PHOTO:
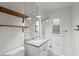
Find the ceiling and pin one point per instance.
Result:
(48, 6)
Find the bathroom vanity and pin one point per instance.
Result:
(37, 47)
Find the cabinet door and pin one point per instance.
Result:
(43, 52)
(30, 50)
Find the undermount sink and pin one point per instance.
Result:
(37, 42)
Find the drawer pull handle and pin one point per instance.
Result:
(50, 46)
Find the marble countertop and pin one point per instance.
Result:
(36, 42)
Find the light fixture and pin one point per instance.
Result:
(29, 18)
(47, 20)
(38, 16)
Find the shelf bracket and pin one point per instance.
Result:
(22, 29)
(23, 19)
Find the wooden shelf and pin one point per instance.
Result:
(12, 12)
(13, 26)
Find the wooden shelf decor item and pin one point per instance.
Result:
(13, 26)
(12, 12)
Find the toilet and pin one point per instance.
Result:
(15, 52)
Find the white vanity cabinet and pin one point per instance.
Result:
(43, 53)
(36, 49)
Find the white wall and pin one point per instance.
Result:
(31, 8)
(65, 15)
(11, 37)
(75, 33)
